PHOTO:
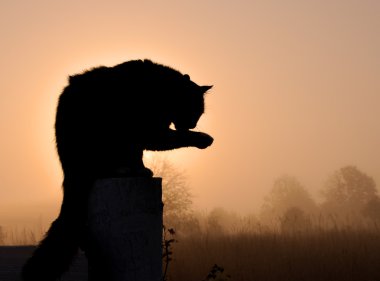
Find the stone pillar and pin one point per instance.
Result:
(125, 230)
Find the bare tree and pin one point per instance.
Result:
(176, 196)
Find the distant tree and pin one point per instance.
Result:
(213, 224)
(287, 193)
(295, 220)
(348, 192)
(176, 194)
(220, 221)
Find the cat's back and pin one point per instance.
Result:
(131, 90)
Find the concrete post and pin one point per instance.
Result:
(125, 230)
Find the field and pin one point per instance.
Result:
(325, 255)
(336, 255)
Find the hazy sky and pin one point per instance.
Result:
(296, 89)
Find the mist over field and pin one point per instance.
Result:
(291, 238)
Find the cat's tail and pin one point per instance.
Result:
(54, 254)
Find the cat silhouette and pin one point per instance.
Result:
(106, 117)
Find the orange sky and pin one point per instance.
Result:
(296, 89)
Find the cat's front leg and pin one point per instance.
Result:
(172, 139)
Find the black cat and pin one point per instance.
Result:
(105, 118)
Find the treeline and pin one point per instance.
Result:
(349, 200)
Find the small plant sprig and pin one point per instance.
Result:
(217, 273)
(166, 247)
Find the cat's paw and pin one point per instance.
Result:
(203, 140)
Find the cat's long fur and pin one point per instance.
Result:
(105, 118)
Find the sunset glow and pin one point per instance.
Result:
(296, 90)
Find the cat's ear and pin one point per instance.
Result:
(204, 89)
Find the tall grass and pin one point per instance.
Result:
(323, 252)
(335, 254)
(20, 236)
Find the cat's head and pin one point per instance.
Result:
(189, 105)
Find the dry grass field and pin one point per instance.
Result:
(334, 255)
(323, 255)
